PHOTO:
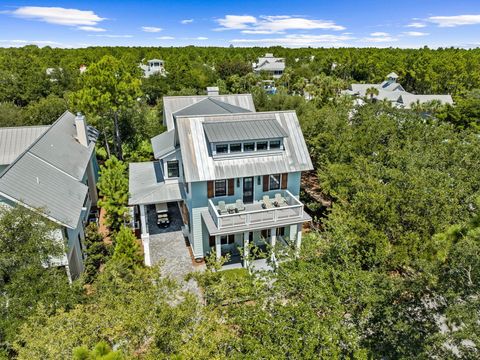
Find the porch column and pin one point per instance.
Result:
(246, 241)
(298, 240)
(145, 236)
(218, 246)
(273, 241)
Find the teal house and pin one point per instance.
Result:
(230, 174)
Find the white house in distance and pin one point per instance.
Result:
(394, 92)
(53, 169)
(231, 176)
(154, 66)
(270, 64)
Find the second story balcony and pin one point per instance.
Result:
(277, 208)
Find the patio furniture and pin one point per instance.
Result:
(222, 209)
(266, 203)
(161, 208)
(231, 209)
(239, 205)
(163, 220)
(280, 200)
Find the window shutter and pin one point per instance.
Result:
(231, 187)
(211, 240)
(210, 189)
(265, 183)
(284, 180)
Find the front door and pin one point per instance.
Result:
(248, 190)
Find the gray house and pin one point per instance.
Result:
(54, 169)
(233, 172)
(270, 64)
(394, 92)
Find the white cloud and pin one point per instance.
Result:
(416, 25)
(186, 21)
(151, 29)
(379, 39)
(298, 40)
(113, 36)
(379, 33)
(415, 33)
(91, 28)
(457, 20)
(17, 43)
(58, 15)
(201, 38)
(165, 38)
(273, 24)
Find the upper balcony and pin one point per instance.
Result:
(281, 209)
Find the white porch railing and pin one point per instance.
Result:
(254, 214)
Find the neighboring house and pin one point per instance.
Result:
(153, 66)
(270, 64)
(82, 68)
(53, 169)
(54, 73)
(392, 91)
(218, 160)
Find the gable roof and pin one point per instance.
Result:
(174, 104)
(49, 174)
(210, 106)
(219, 131)
(163, 144)
(200, 166)
(15, 140)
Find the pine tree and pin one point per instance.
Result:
(127, 249)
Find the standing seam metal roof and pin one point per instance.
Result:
(48, 174)
(15, 140)
(218, 131)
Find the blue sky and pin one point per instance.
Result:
(241, 23)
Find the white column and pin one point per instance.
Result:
(298, 240)
(273, 241)
(145, 236)
(246, 241)
(218, 246)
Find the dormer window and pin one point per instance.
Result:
(249, 146)
(262, 145)
(237, 147)
(221, 148)
(173, 169)
(275, 144)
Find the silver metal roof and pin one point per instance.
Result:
(210, 106)
(200, 166)
(163, 144)
(15, 140)
(48, 174)
(219, 131)
(148, 186)
(173, 104)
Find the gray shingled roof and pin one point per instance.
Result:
(15, 140)
(147, 185)
(163, 144)
(218, 131)
(174, 104)
(200, 166)
(48, 174)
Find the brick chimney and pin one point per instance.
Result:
(81, 126)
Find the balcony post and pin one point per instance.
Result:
(298, 240)
(145, 236)
(218, 246)
(273, 241)
(246, 240)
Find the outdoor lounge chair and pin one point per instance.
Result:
(222, 209)
(239, 205)
(280, 200)
(266, 203)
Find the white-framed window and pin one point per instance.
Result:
(173, 169)
(227, 239)
(249, 146)
(262, 145)
(220, 187)
(221, 148)
(274, 181)
(275, 144)
(236, 147)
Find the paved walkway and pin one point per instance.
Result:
(169, 246)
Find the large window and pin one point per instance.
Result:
(274, 144)
(249, 146)
(227, 239)
(172, 169)
(262, 145)
(235, 147)
(221, 148)
(275, 182)
(220, 187)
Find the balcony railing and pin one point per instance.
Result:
(256, 214)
